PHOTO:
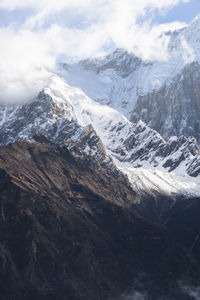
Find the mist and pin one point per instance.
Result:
(32, 45)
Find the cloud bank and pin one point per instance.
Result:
(70, 30)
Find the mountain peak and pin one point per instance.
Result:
(196, 20)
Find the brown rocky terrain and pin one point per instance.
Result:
(71, 231)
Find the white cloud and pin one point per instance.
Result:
(22, 57)
(41, 39)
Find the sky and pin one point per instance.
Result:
(35, 34)
(184, 12)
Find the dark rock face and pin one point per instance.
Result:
(174, 110)
(71, 231)
(183, 220)
(120, 60)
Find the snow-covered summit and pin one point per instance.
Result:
(135, 87)
(65, 113)
(101, 108)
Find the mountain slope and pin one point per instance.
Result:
(70, 231)
(163, 94)
(175, 108)
(64, 113)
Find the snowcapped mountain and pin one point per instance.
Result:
(65, 113)
(136, 118)
(164, 94)
(175, 108)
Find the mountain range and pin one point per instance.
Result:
(100, 179)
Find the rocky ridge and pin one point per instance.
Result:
(64, 113)
(71, 231)
(164, 94)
